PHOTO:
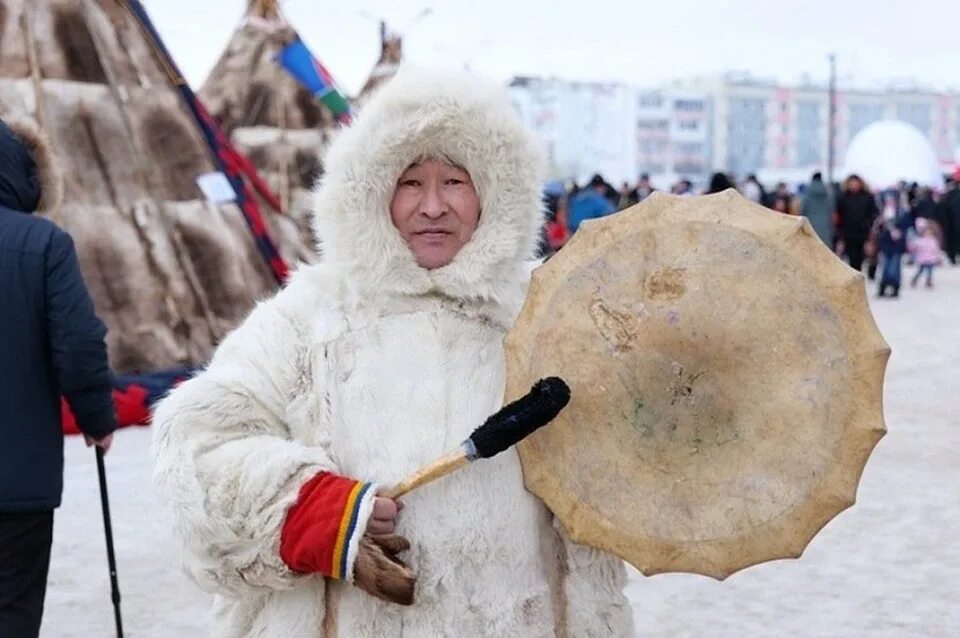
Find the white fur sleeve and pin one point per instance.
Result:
(225, 462)
(594, 581)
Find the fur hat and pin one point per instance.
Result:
(437, 114)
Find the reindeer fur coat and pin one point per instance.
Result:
(369, 366)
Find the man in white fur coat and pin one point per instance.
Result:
(366, 367)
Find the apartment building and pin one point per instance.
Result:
(581, 125)
(733, 122)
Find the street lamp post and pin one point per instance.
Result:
(831, 119)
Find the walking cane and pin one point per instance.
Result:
(111, 560)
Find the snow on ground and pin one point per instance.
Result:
(890, 566)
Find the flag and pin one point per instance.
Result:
(237, 168)
(297, 60)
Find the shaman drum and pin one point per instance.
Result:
(726, 378)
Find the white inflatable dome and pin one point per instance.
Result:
(888, 151)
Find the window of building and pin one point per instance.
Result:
(645, 165)
(808, 114)
(651, 100)
(653, 125)
(862, 115)
(688, 106)
(689, 168)
(652, 146)
(809, 153)
(919, 114)
(689, 148)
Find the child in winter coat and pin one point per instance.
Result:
(926, 252)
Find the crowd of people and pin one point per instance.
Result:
(877, 231)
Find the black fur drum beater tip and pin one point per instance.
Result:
(508, 426)
(518, 420)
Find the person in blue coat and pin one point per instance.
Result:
(51, 343)
(590, 203)
(893, 224)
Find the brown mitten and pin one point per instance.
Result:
(380, 573)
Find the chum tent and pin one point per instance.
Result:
(280, 105)
(269, 114)
(169, 272)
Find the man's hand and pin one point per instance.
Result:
(384, 518)
(105, 442)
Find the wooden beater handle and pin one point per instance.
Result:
(438, 469)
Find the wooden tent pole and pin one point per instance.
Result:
(265, 9)
(26, 24)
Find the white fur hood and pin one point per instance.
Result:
(419, 115)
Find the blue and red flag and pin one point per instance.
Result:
(297, 60)
(233, 164)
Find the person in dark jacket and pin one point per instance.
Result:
(51, 343)
(782, 199)
(856, 212)
(644, 188)
(923, 207)
(628, 196)
(818, 208)
(893, 225)
(719, 182)
(949, 217)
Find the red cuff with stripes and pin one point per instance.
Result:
(322, 530)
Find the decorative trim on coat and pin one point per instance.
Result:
(322, 530)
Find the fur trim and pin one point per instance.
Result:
(435, 114)
(48, 169)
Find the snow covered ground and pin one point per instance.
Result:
(890, 566)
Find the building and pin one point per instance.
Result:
(734, 123)
(781, 132)
(581, 125)
(674, 132)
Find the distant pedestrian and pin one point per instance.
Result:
(628, 196)
(818, 208)
(753, 190)
(856, 212)
(892, 243)
(683, 188)
(644, 187)
(782, 199)
(926, 252)
(589, 203)
(719, 182)
(949, 217)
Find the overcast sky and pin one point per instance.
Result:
(640, 42)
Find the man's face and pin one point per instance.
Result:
(436, 209)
